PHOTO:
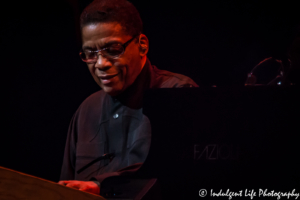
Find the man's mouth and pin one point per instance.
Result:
(106, 79)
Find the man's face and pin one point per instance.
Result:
(112, 75)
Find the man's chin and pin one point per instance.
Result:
(111, 91)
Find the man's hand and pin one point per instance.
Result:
(87, 186)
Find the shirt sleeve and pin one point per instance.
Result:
(127, 171)
(68, 166)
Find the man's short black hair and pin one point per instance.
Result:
(120, 11)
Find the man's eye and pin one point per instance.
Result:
(114, 50)
(89, 53)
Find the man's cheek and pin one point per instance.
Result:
(123, 74)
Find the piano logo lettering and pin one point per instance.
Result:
(216, 152)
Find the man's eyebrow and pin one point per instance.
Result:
(112, 42)
(105, 45)
(87, 48)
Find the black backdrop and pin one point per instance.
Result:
(44, 81)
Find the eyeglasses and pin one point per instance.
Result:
(111, 52)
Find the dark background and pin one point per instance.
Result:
(44, 80)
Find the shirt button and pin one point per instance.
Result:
(115, 116)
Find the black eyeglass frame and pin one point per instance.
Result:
(105, 55)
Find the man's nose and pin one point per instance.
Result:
(102, 62)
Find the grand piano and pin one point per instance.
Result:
(220, 138)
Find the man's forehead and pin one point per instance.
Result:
(103, 30)
(102, 33)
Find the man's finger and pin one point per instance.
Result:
(62, 182)
(75, 185)
(87, 186)
(90, 186)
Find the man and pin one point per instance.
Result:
(109, 135)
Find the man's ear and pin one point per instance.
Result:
(144, 45)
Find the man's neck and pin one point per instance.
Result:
(144, 59)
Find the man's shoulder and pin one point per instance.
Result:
(167, 79)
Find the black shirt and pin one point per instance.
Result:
(114, 125)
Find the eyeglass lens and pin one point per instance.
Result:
(112, 51)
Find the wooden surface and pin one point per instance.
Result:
(16, 185)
